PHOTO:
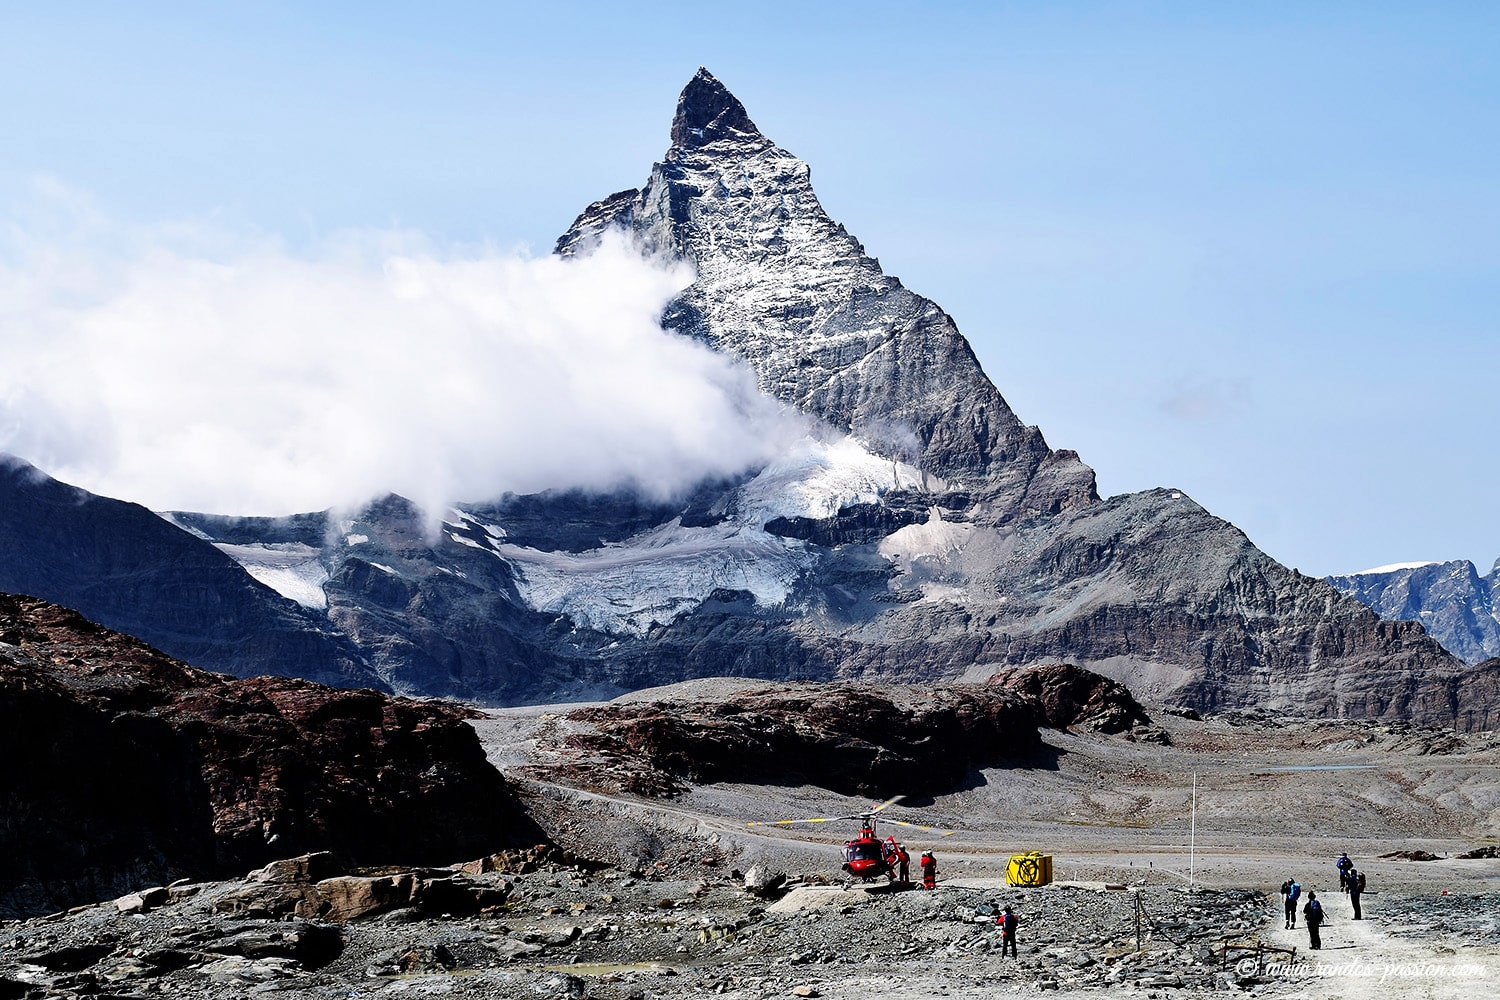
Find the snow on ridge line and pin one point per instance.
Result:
(1396, 567)
(171, 519)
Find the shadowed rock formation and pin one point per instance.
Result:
(1071, 696)
(125, 766)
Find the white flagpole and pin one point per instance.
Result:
(1193, 831)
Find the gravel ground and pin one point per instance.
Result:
(676, 931)
(1190, 839)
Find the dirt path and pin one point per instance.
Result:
(1361, 960)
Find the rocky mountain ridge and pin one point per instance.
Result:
(1458, 607)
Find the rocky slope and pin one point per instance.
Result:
(622, 934)
(852, 739)
(919, 533)
(127, 766)
(1458, 607)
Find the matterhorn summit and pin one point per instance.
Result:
(790, 291)
(707, 112)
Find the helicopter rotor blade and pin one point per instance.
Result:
(790, 822)
(867, 817)
(925, 829)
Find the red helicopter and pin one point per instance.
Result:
(867, 857)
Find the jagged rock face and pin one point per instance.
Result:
(1071, 696)
(851, 739)
(128, 766)
(784, 287)
(1458, 607)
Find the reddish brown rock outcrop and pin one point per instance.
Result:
(1072, 696)
(124, 765)
(852, 739)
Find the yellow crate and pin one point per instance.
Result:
(1031, 868)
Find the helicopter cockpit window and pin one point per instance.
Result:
(864, 850)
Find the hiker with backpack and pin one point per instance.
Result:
(1313, 916)
(1291, 891)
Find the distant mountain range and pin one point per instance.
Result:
(920, 532)
(1458, 607)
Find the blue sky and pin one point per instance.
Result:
(1245, 250)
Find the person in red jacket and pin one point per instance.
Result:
(1008, 921)
(929, 870)
(904, 861)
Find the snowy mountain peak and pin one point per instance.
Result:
(791, 292)
(707, 112)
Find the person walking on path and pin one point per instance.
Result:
(1356, 886)
(1344, 866)
(1291, 890)
(1312, 915)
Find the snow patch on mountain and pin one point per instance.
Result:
(934, 539)
(291, 569)
(817, 479)
(462, 517)
(658, 575)
(929, 557)
(461, 540)
(176, 522)
(661, 574)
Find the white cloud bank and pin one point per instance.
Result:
(194, 369)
